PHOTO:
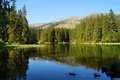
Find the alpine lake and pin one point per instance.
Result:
(61, 62)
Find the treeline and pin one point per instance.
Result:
(99, 28)
(52, 35)
(13, 24)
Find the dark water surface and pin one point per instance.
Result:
(61, 62)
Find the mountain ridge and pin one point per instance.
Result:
(66, 22)
(59, 22)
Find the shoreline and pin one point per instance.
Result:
(84, 43)
(23, 46)
(100, 43)
(43, 45)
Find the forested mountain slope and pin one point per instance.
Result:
(66, 23)
(95, 28)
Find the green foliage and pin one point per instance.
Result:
(13, 25)
(32, 36)
(101, 28)
(1, 42)
(53, 35)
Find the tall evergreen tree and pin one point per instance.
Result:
(12, 24)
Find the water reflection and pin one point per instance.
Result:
(91, 61)
(13, 64)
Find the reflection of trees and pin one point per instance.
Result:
(92, 56)
(114, 70)
(13, 64)
(3, 65)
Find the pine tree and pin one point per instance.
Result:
(112, 21)
(25, 30)
(4, 12)
(12, 24)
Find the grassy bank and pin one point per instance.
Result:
(23, 45)
(100, 43)
(85, 43)
(43, 45)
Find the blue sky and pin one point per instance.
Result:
(41, 11)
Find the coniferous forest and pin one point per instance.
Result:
(103, 28)
(13, 24)
(14, 29)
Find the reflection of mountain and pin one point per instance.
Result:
(90, 56)
(95, 57)
(14, 62)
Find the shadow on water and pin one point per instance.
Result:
(14, 62)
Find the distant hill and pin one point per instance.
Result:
(64, 23)
(36, 24)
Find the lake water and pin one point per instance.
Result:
(61, 62)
